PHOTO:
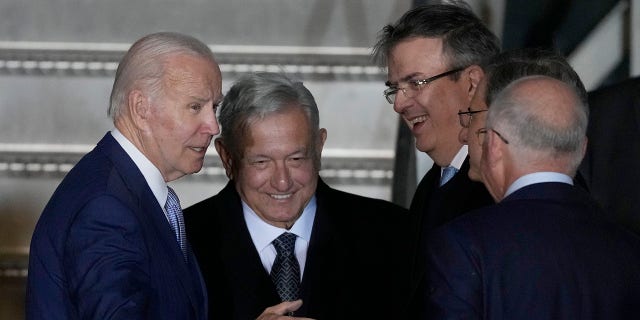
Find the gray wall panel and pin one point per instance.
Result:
(245, 22)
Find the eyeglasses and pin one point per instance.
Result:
(414, 86)
(465, 116)
(480, 134)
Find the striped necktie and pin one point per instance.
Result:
(174, 213)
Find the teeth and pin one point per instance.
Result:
(417, 119)
(197, 149)
(281, 196)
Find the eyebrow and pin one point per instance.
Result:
(403, 79)
(301, 151)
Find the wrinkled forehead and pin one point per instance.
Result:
(290, 126)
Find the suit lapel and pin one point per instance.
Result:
(151, 215)
(327, 248)
(246, 270)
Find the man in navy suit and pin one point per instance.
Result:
(432, 54)
(500, 71)
(544, 251)
(106, 246)
(344, 247)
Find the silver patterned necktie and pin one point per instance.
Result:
(447, 174)
(285, 272)
(174, 213)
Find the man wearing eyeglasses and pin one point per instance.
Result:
(544, 251)
(499, 71)
(432, 55)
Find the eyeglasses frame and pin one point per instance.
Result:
(484, 130)
(469, 113)
(419, 84)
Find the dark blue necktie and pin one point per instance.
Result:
(174, 213)
(285, 272)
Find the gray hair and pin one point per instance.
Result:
(256, 96)
(466, 40)
(515, 116)
(143, 65)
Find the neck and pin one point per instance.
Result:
(444, 157)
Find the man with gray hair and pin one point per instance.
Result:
(110, 244)
(543, 251)
(500, 71)
(277, 232)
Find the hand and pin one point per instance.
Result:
(281, 310)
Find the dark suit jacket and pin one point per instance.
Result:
(103, 249)
(431, 207)
(349, 272)
(544, 252)
(611, 167)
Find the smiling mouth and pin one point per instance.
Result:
(281, 196)
(198, 149)
(416, 120)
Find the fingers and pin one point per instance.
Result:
(281, 309)
(285, 307)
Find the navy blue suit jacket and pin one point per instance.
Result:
(103, 249)
(350, 269)
(432, 206)
(544, 252)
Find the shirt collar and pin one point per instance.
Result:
(151, 174)
(263, 233)
(459, 158)
(537, 177)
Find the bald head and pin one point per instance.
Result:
(545, 120)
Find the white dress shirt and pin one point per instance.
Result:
(458, 160)
(150, 173)
(263, 234)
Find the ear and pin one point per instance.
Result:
(493, 150)
(322, 137)
(139, 108)
(585, 146)
(493, 166)
(474, 74)
(225, 156)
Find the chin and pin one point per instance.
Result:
(423, 148)
(474, 176)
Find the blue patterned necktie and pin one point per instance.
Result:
(174, 213)
(285, 272)
(447, 174)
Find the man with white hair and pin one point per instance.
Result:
(543, 251)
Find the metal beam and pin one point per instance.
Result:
(603, 49)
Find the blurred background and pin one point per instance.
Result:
(58, 59)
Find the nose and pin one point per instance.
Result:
(281, 179)
(211, 125)
(401, 102)
(463, 135)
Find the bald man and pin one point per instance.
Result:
(542, 252)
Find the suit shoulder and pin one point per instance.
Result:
(364, 200)
(202, 215)
(629, 85)
(199, 207)
(347, 199)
